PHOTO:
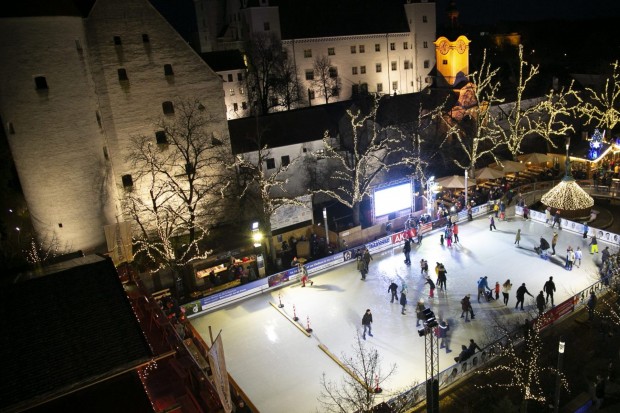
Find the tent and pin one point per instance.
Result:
(509, 166)
(535, 158)
(488, 173)
(455, 181)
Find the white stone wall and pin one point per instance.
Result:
(422, 21)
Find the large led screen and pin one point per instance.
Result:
(392, 199)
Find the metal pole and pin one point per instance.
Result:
(558, 381)
(326, 228)
(466, 173)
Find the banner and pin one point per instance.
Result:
(402, 236)
(558, 312)
(219, 373)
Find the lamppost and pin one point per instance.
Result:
(466, 176)
(431, 359)
(558, 380)
(257, 238)
(326, 228)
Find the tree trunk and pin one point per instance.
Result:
(356, 214)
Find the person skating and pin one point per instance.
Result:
(540, 303)
(591, 305)
(506, 287)
(544, 246)
(367, 258)
(304, 276)
(570, 260)
(547, 215)
(554, 242)
(367, 323)
(556, 220)
(482, 285)
(441, 332)
(455, 232)
(431, 285)
(502, 211)
(393, 288)
(521, 291)
(470, 216)
(496, 209)
(497, 288)
(423, 267)
(549, 288)
(586, 228)
(578, 257)
(605, 255)
(419, 311)
(441, 277)
(593, 245)
(403, 301)
(449, 237)
(526, 212)
(466, 308)
(361, 267)
(407, 251)
(492, 223)
(518, 237)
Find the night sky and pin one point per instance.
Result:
(493, 11)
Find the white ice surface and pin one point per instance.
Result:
(279, 368)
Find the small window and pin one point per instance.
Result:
(378, 67)
(354, 70)
(117, 40)
(394, 85)
(241, 91)
(394, 65)
(310, 94)
(377, 47)
(161, 138)
(353, 49)
(168, 70)
(78, 45)
(407, 64)
(424, 19)
(308, 53)
(231, 91)
(230, 77)
(122, 75)
(363, 70)
(333, 72)
(235, 107)
(266, 26)
(11, 128)
(239, 77)
(309, 74)
(60, 225)
(444, 62)
(425, 44)
(331, 51)
(145, 38)
(271, 163)
(244, 105)
(392, 46)
(40, 83)
(127, 181)
(405, 45)
(362, 48)
(426, 64)
(379, 87)
(168, 108)
(285, 160)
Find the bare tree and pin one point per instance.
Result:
(179, 185)
(553, 114)
(287, 89)
(326, 80)
(356, 392)
(358, 167)
(602, 108)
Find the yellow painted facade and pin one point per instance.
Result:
(452, 58)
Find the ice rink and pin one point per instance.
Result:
(280, 368)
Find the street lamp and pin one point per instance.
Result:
(326, 229)
(558, 380)
(257, 238)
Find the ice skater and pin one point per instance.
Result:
(367, 323)
(431, 285)
(441, 332)
(466, 308)
(506, 287)
(593, 244)
(455, 232)
(549, 288)
(554, 242)
(518, 237)
(483, 284)
(403, 301)
(423, 267)
(393, 288)
(540, 303)
(492, 223)
(578, 257)
(407, 251)
(419, 311)
(521, 291)
(304, 276)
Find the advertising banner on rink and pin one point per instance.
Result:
(219, 373)
(403, 235)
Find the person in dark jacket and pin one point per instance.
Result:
(403, 301)
(549, 288)
(393, 288)
(540, 303)
(407, 251)
(521, 291)
(367, 323)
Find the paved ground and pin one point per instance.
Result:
(280, 368)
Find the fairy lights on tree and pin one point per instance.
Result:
(596, 144)
(601, 108)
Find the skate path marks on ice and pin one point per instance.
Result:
(280, 368)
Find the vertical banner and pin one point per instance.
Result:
(219, 373)
(118, 240)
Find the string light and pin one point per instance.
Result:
(568, 196)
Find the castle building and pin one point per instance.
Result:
(80, 80)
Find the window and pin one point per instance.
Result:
(11, 128)
(235, 107)
(271, 163)
(379, 87)
(40, 82)
(426, 64)
(425, 44)
(363, 70)
(362, 48)
(78, 46)
(266, 26)
(145, 38)
(405, 45)
(127, 181)
(333, 72)
(394, 85)
(231, 91)
(378, 67)
(240, 77)
(444, 62)
(241, 91)
(407, 64)
(424, 19)
(161, 138)
(285, 160)
(244, 105)
(230, 77)
(309, 74)
(117, 40)
(308, 53)
(394, 65)
(168, 108)
(331, 51)
(353, 49)
(168, 70)
(392, 46)
(354, 70)
(377, 47)
(122, 75)
(310, 94)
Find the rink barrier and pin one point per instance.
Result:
(289, 318)
(415, 396)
